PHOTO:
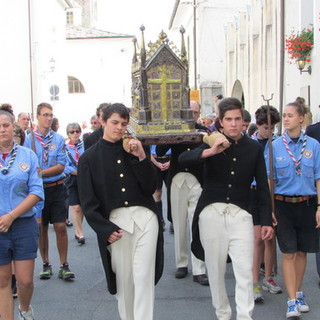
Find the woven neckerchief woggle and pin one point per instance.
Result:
(5, 169)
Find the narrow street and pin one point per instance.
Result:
(176, 299)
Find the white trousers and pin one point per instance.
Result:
(226, 228)
(133, 261)
(185, 192)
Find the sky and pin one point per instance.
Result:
(126, 16)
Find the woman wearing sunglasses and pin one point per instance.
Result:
(74, 149)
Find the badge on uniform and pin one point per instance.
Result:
(307, 154)
(23, 167)
(52, 147)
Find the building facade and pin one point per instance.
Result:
(205, 23)
(53, 53)
(258, 62)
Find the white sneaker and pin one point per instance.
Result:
(271, 286)
(26, 315)
(301, 303)
(293, 310)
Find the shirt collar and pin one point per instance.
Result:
(291, 141)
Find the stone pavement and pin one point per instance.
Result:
(86, 298)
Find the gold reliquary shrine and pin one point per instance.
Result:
(160, 89)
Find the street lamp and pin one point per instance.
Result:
(301, 63)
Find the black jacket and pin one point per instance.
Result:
(227, 178)
(110, 178)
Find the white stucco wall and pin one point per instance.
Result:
(255, 63)
(104, 68)
(211, 19)
(47, 41)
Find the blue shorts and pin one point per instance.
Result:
(55, 205)
(296, 229)
(20, 242)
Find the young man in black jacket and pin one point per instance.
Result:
(116, 188)
(222, 224)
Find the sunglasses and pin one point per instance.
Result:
(74, 131)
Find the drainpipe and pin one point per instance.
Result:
(282, 59)
(30, 60)
(195, 42)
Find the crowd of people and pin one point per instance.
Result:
(219, 204)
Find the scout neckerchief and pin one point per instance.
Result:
(40, 137)
(76, 147)
(5, 169)
(296, 163)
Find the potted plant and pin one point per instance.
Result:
(300, 44)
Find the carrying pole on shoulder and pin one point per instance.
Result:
(33, 144)
(271, 181)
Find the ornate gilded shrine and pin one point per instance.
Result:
(160, 90)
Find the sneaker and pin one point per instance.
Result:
(26, 315)
(257, 293)
(65, 273)
(302, 305)
(46, 272)
(271, 286)
(293, 310)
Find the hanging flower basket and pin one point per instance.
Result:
(300, 44)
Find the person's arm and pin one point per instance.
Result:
(36, 193)
(318, 206)
(263, 191)
(27, 204)
(91, 204)
(143, 169)
(155, 162)
(216, 148)
(52, 171)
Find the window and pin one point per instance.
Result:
(69, 17)
(75, 85)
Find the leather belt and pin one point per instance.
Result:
(53, 184)
(295, 199)
(163, 157)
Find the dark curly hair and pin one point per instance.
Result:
(262, 115)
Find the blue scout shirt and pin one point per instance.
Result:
(154, 152)
(70, 166)
(21, 180)
(287, 182)
(265, 151)
(56, 154)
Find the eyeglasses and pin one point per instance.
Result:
(94, 122)
(74, 131)
(47, 115)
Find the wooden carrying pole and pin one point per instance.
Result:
(33, 145)
(271, 182)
